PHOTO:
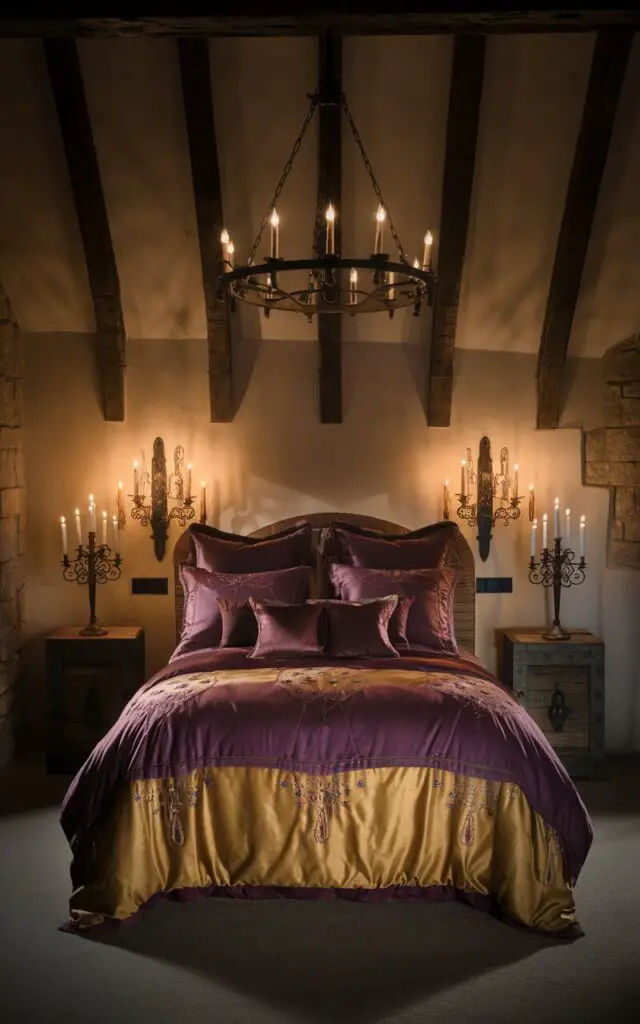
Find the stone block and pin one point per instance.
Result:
(618, 529)
(622, 444)
(612, 405)
(8, 467)
(595, 445)
(9, 612)
(8, 538)
(627, 503)
(12, 501)
(11, 405)
(11, 578)
(631, 389)
(10, 641)
(631, 412)
(11, 437)
(622, 362)
(612, 474)
(11, 352)
(632, 530)
(626, 554)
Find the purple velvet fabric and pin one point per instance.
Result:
(239, 626)
(430, 620)
(426, 548)
(359, 629)
(216, 551)
(202, 622)
(287, 630)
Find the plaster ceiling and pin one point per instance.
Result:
(398, 90)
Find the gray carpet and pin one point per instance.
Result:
(284, 961)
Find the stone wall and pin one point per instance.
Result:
(612, 452)
(12, 521)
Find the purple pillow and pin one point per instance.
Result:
(397, 626)
(359, 629)
(239, 626)
(202, 619)
(217, 551)
(287, 630)
(426, 548)
(430, 619)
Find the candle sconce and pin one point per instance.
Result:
(93, 564)
(558, 568)
(481, 512)
(157, 513)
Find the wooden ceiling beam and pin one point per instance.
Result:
(195, 76)
(608, 66)
(465, 95)
(330, 191)
(65, 75)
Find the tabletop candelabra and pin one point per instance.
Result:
(557, 568)
(93, 564)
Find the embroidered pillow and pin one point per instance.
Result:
(426, 548)
(359, 629)
(202, 621)
(286, 630)
(430, 620)
(216, 551)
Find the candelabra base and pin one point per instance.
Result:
(93, 629)
(557, 633)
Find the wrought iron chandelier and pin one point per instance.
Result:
(326, 281)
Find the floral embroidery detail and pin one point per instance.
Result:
(169, 695)
(324, 794)
(553, 851)
(474, 796)
(331, 686)
(171, 796)
(482, 697)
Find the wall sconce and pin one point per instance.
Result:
(487, 486)
(157, 514)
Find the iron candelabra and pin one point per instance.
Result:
(557, 568)
(93, 564)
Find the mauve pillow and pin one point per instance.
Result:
(359, 629)
(426, 548)
(239, 626)
(397, 626)
(430, 620)
(217, 551)
(287, 630)
(202, 619)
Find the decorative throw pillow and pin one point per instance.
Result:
(286, 630)
(430, 620)
(202, 620)
(359, 629)
(217, 551)
(397, 626)
(239, 626)
(426, 548)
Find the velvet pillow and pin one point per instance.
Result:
(239, 626)
(359, 629)
(397, 625)
(202, 619)
(426, 548)
(430, 620)
(287, 630)
(217, 551)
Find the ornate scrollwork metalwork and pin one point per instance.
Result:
(557, 569)
(482, 513)
(92, 565)
(157, 514)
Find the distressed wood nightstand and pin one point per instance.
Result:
(561, 684)
(89, 680)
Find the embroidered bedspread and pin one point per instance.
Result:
(407, 775)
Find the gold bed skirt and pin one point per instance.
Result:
(368, 829)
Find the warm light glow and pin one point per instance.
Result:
(104, 515)
(91, 499)
(545, 518)
(530, 487)
(62, 520)
(556, 502)
(274, 220)
(535, 523)
(331, 213)
(353, 276)
(567, 511)
(463, 462)
(516, 467)
(230, 248)
(416, 263)
(381, 214)
(189, 466)
(203, 483)
(583, 520)
(135, 464)
(119, 485)
(446, 483)
(224, 237)
(76, 512)
(428, 238)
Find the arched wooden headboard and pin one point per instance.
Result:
(462, 561)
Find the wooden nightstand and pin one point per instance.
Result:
(561, 684)
(89, 680)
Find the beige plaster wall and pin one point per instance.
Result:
(276, 460)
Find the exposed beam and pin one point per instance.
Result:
(82, 162)
(330, 191)
(195, 74)
(465, 94)
(304, 18)
(608, 68)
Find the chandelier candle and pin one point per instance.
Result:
(224, 241)
(353, 286)
(275, 234)
(558, 567)
(426, 256)
(330, 217)
(93, 564)
(230, 253)
(120, 504)
(379, 237)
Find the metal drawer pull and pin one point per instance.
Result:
(558, 709)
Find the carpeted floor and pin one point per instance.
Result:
(268, 962)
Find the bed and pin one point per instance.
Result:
(417, 777)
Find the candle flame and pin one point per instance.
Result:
(545, 518)
(531, 487)
(516, 467)
(331, 213)
(463, 462)
(114, 520)
(556, 502)
(567, 511)
(416, 263)
(428, 238)
(353, 275)
(189, 466)
(203, 484)
(274, 220)
(230, 248)
(91, 499)
(535, 523)
(583, 520)
(135, 464)
(224, 237)
(62, 520)
(381, 214)
(104, 515)
(446, 483)
(119, 485)
(76, 512)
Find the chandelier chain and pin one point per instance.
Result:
(285, 174)
(374, 182)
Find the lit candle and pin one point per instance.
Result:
(567, 528)
(203, 501)
(380, 219)
(116, 535)
(104, 528)
(445, 509)
(426, 256)
(532, 503)
(189, 468)
(275, 233)
(63, 528)
(556, 518)
(463, 476)
(78, 527)
(120, 501)
(353, 287)
(330, 244)
(230, 253)
(136, 491)
(92, 514)
(224, 241)
(545, 534)
(534, 538)
(392, 291)
(416, 266)
(515, 480)
(583, 536)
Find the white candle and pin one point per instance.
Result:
(515, 480)
(116, 535)
(416, 266)
(63, 528)
(353, 287)
(78, 527)
(104, 528)
(534, 538)
(224, 241)
(379, 238)
(92, 514)
(203, 501)
(426, 256)
(392, 291)
(275, 233)
(189, 468)
(136, 492)
(567, 528)
(545, 534)
(532, 503)
(583, 536)
(445, 508)
(230, 253)
(463, 474)
(556, 518)
(330, 243)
